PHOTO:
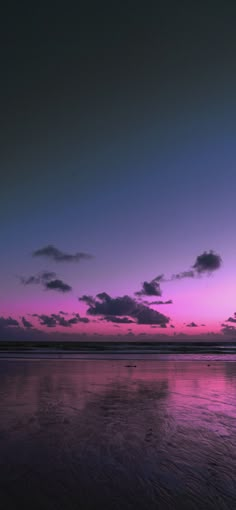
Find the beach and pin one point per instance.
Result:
(117, 433)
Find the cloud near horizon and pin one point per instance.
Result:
(124, 306)
(226, 329)
(117, 320)
(26, 323)
(6, 322)
(53, 253)
(53, 320)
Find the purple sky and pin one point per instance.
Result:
(118, 141)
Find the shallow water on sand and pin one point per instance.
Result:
(116, 434)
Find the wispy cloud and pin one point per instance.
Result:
(57, 255)
(184, 274)
(39, 278)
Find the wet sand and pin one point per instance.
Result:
(117, 434)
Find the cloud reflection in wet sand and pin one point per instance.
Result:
(91, 434)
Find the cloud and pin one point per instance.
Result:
(47, 320)
(53, 253)
(6, 322)
(80, 319)
(124, 306)
(55, 319)
(89, 300)
(207, 262)
(103, 304)
(192, 325)
(48, 280)
(184, 274)
(39, 278)
(58, 285)
(151, 288)
(26, 323)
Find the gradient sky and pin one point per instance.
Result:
(118, 140)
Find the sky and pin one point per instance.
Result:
(117, 166)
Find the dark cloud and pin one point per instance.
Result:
(58, 320)
(53, 253)
(58, 285)
(89, 300)
(151, 288)
(118, 320)
(47, 320)
(40, 278)
(192, 325)
(145, 315)
(207, 262)
(63, 313)
(6, 322)
(26, 323)
(103, 304)
(124, 306)
(61, 321)
(80, 319)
